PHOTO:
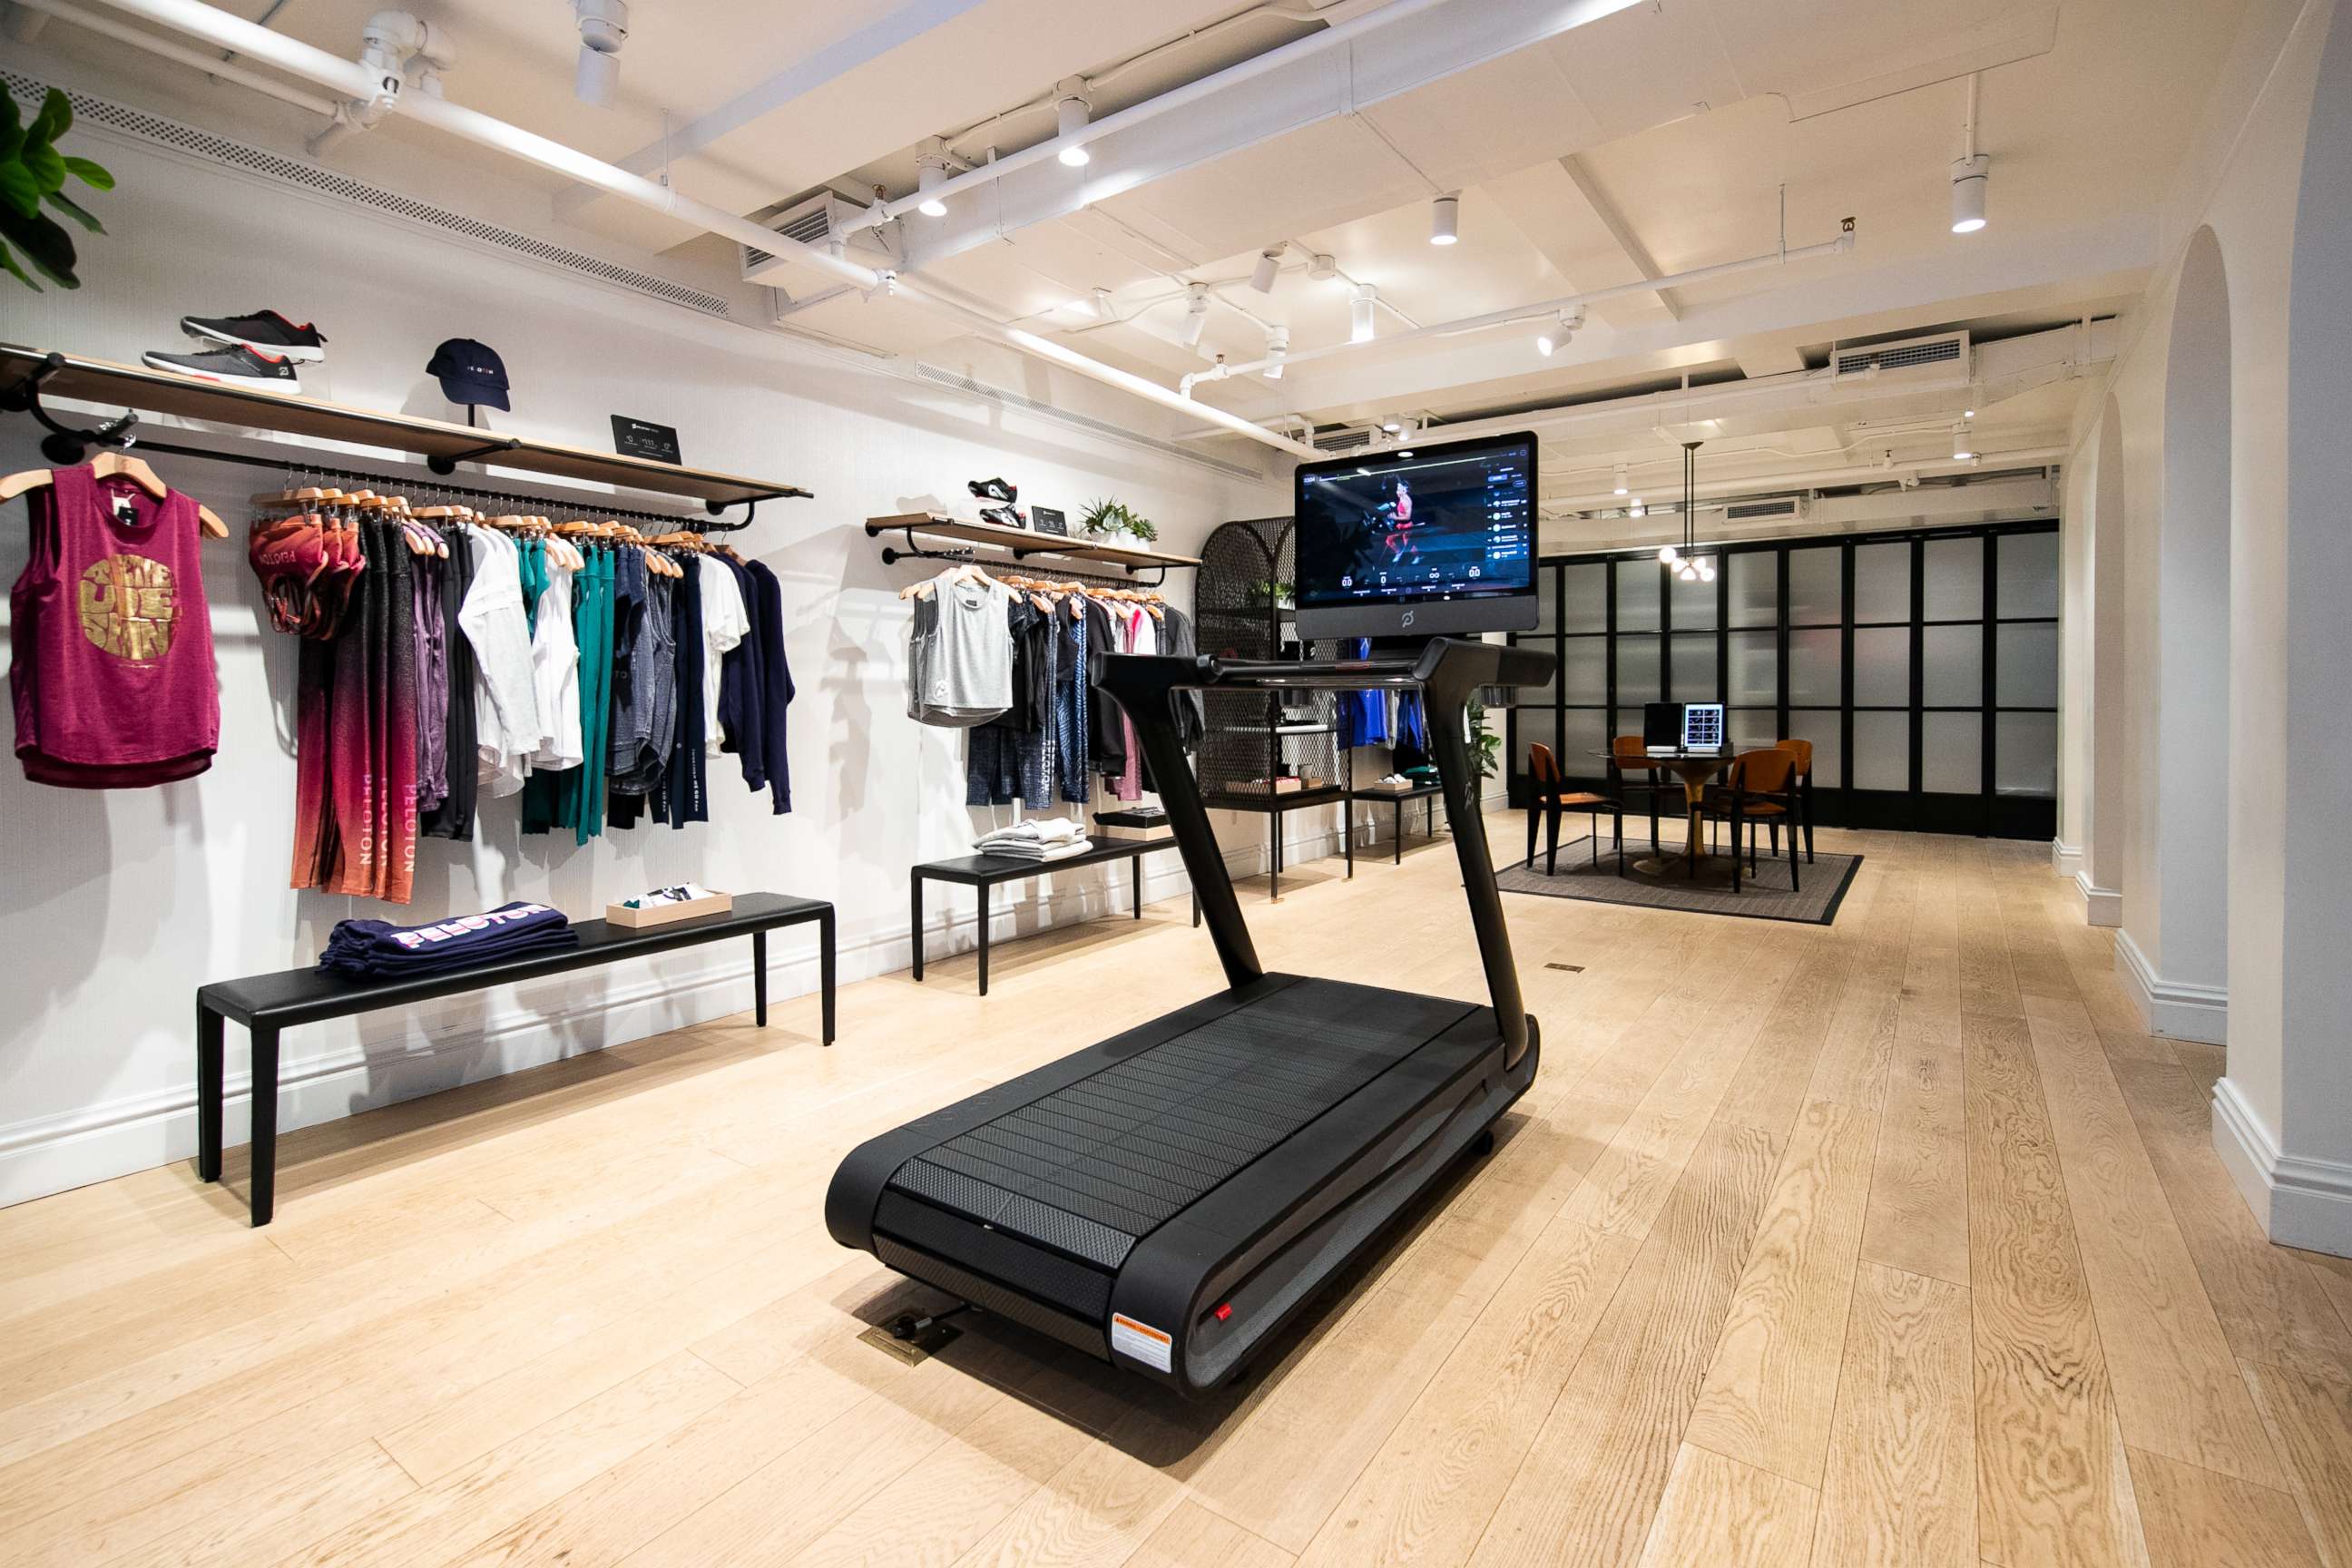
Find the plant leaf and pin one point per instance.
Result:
(45, 165)
(11, 126)
(9, 261)
(19, 192)
(55, 119)
(47, 246)
(72, 209)
(92, 174)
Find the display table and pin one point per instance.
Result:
(982, 872)
(268, 1003)
(1426, 794)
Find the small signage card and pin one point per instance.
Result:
(644, 439)
(1045, 520)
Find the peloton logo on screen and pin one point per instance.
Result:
(1408, 617)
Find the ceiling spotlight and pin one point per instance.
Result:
(1638, 509)
(1445, 218)
(1105, 310)
(931, 174)
(1359, 313)
(604, 28)
(1968, 412)
(1971, 179)
(1561, 333)
(1322, 269)
(1071, 112)
(1391, 425)
(1196, 315)
(1269, 262)
(1277, 351)
(1621, 487)
(1964, 449)
(1406, 453)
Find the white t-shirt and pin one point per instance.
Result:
(505, 699)
(725, 624)
(555, 670)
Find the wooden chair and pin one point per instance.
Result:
(1761, 787)
(1550, 795)
(1629, 754)
(1804, 752)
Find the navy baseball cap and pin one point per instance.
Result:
(469, 373)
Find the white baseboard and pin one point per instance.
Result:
(2065, 859)
(2300, 1201)
(2171, 1008)
(2101, 906)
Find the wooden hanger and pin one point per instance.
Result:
(108, 465)
(968, 573)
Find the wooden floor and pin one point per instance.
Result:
(1886, 1243)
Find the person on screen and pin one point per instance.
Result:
(1399, 547)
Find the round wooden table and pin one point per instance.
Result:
(1695, 769)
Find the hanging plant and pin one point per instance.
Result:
(33, 173)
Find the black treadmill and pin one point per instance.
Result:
(1168, 1199)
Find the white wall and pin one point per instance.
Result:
(2244, 186)
(119, 905)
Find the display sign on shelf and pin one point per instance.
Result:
(1047, 519)
(644, 439)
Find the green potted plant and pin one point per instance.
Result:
(1272, 592)
(1112, 520)
(33, 173)
(1488, 745)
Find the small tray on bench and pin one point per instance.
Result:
(668, 914)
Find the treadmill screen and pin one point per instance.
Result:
(1444, 522)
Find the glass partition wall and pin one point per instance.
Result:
(1923, 667)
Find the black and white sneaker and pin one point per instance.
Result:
(238, 366)
(993, 489)
(264, 330)
(1004, 516)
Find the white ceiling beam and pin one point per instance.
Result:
(803, 77)
(1556, 204)
(1841, 298)
(1381, 64)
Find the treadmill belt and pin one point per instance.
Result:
(1092, 1167)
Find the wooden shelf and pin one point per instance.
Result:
(1020, 540)
(435, 440)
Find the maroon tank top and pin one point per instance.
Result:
(112, 673)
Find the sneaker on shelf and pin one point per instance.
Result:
(1005, 516)
(264, 330)
(238, 366)
(993, 490)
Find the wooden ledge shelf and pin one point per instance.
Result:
(1021, 541)
(437, 441)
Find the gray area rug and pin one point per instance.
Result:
(1764, 896)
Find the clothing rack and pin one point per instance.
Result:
(380, 481)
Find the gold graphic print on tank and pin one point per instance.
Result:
(130, 606)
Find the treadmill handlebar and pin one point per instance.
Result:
(1445, 661)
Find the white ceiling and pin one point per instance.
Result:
(1654, 139)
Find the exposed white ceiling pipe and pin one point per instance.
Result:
(1154, 107)
(357, 80)
(122, 33)
(391, 44)
(1547, 310)
(1809, 478)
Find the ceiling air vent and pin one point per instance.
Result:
(1352, 438)
(814, 222)
(1778, 508)
(1946, 348)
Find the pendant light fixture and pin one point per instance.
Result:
(1688, 565)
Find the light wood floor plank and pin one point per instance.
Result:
(1192, 1536)
(1918, 1219)
(2197, 1518)
(1769, 1392)
(1898, 1490)
(1720, 1514)
(2310, 1421)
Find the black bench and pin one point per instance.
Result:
(1396, 797)
(268, 1003)
(985, 871)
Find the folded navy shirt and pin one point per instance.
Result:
(377, 950)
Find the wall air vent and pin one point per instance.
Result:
(1006, 397)
(812, 222)
(1945, 348)
(1778, 508)
(189, 141)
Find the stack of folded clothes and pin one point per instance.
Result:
(376, 949)
(1041, 839)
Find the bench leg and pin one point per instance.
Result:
(915, 886)
(1135, 873)
(983, 939)
(1348, 834)
(211, 1064)
(825, 968)
(1274, 882)
(759, 978)
(265, 1121)
(1396, 833)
